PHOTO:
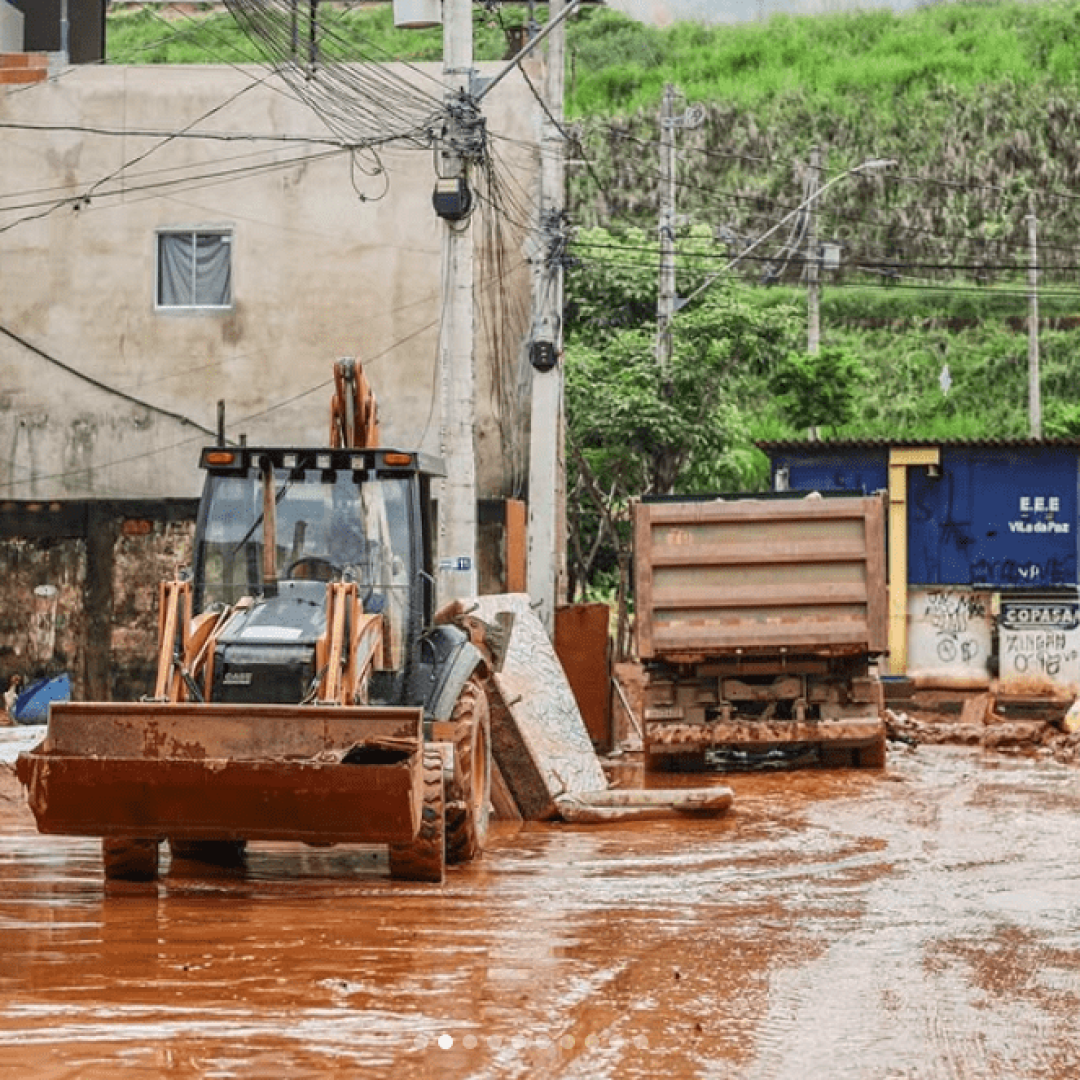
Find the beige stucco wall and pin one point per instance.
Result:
(332, 257)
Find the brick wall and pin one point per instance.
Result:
(79, 586)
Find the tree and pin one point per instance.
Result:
(819, 389)
(635, 430)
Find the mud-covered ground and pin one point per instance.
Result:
(920, 924)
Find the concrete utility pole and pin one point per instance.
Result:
(1034, 393)
(457, 572)
(665, 297)
(546, 573)
(813, 263)
(667, 302)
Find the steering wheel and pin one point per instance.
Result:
(320, 569)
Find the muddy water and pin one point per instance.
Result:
(923, 924)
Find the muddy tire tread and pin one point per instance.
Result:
(127, 859)
(425, 858)
(873, 756)
(468, 809)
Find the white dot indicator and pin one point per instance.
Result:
(446, 1041)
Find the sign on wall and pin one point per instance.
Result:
(995, 518)
(989, 517)
(1040, 639)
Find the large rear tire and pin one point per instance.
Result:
(425, 858)
(129, 860)
(468, 808)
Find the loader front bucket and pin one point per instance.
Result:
(318, 774)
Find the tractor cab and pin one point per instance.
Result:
(276, 525)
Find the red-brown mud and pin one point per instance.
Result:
(922, 923)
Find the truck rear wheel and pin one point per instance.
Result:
(129, 860)
(468, 807)
(424, 859)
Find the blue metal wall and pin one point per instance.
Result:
(1003, 518)
(861, 471)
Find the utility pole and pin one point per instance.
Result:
(546, 573)
(665, 298)
(457, 576)
(65, 32)
(813, 265)
(1034, 394)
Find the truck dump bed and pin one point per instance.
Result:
(759, 575)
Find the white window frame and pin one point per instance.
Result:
(161, 236)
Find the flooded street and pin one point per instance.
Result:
(922, 924)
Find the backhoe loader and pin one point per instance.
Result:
(303, 690)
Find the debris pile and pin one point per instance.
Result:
(1000, 720)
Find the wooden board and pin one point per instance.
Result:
(582, 641)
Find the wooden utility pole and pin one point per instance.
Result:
(546, 573)
(1034, 393)
(813, 263)
(457, 572)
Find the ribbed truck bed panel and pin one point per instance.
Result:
(718, 577)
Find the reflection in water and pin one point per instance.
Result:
(921, 924)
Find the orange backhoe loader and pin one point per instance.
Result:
(303, 691)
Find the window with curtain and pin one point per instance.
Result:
(194, 269)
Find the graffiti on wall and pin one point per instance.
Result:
(1010, 572)
(993, 521)
(950, 632)
(951, 615)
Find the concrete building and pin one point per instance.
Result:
(172, 238)
(176, 237)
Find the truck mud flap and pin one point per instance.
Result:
(682, 738)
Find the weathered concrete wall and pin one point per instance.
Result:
(86, 603)
(141, 560)
(972, 637)
(950, 635)
(1040, 640)
(333, 254)
(27, 565)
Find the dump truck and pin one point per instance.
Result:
(304, 689)
(759, 623)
